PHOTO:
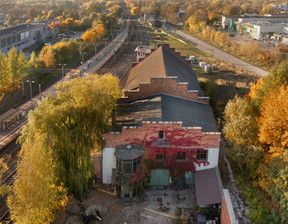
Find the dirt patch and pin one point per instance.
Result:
(224, 83)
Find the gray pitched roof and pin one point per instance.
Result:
(128, 152)
(162, 63)
(163, 107)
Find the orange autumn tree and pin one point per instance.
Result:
(266, 159)
(94, 34)
(273, 121)
(273, 132)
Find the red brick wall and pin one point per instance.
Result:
(175, 134)
(225, 219)
(162, 85)
(227, 211)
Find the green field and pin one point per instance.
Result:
(185, 47)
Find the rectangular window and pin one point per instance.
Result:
(181, 156)
(9, 40)
(202, 155)
(3, 42)
(14, 39)
(161, 135)
(160, 157)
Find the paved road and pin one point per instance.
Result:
(217, 53)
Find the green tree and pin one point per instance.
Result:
(276, 178)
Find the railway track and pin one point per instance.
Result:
(4, 210)
(10, 149)
(8, 178)
(120, 64)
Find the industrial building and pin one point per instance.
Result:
(24, 36)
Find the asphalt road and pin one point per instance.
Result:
(217, 53)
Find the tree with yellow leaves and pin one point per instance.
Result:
(56, 146)
(240, 121)
(135, 10)
(37, 193)
(47, 56)
(89, 36)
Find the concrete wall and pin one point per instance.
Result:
(227, 212)
(108, 163)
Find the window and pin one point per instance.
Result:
(160, 157)
(3, 42)
(202, 155)
(14, 39)
(161, 135)
(9, 40)
(181, 156)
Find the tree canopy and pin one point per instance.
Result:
(56, 145)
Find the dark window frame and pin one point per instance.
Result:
(202, 155)
(181, 156)
(161, 135)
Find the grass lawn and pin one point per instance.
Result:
(185, 47)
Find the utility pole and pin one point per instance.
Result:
(40, 90)
(23, 92)
(105, 41)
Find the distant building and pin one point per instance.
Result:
(254, 19)
(142, 51)
(149, 17)
(279, 6)
(23, 36)
(262, 29)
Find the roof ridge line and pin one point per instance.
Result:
(163, 60)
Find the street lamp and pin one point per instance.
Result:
(62, 69)
(30, 81)
(95, 45)
(105, 41)
(40, 89)
(83, 55)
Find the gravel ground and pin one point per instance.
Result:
(155, 206)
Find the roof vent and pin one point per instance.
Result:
(128, 146)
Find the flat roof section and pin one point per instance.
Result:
(163, 107)
(207, 187)
(18, 28)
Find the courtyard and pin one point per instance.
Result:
(157, 205)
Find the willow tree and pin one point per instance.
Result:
(57, 143)
(74, 118)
